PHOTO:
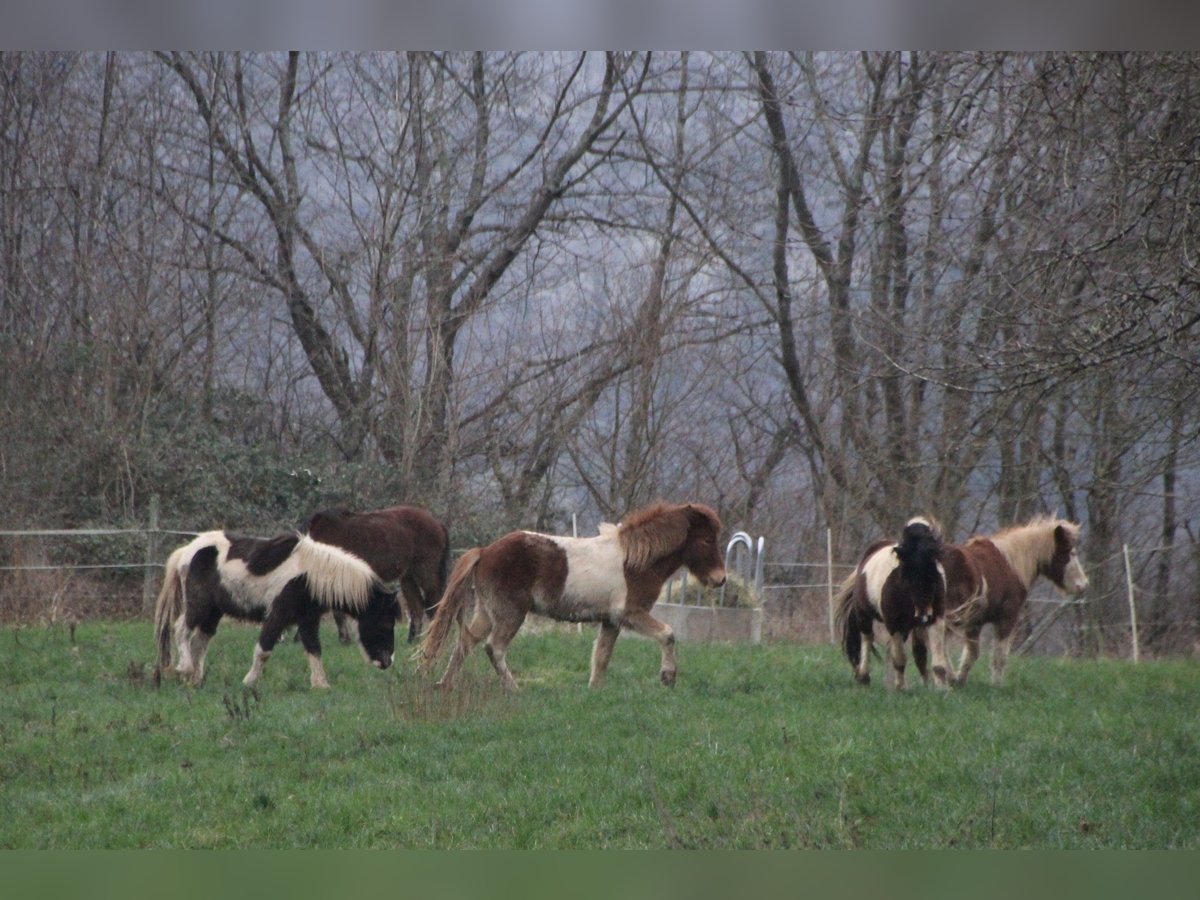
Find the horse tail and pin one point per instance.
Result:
(449, 607)
(337, 579)
(167, 608)
(846, 618)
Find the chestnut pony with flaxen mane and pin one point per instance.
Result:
(988, 581)
(612, 579)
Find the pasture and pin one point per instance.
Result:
(767, 746)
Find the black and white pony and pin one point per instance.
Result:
(902, 585)
(282, 581)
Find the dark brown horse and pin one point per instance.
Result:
(902, 586)
(405, 545)
(612, 579)
(988, 581)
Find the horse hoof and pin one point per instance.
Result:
(863, 679)
(668, 678)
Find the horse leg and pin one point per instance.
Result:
(184, 666)
(943, 674)
(920, 652)
(468, 636)
(201, 634)
(503, 631)
(862, 672)
(899, 660)
(1005, 632)
(602, 650)
(193, 630)
(641, 622)
(415, 607)
(261, 655)
(340, 619)
(286, 610)
(309, 632)
(970, 653)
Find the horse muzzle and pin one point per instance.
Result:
(383, 663)
(716, 579)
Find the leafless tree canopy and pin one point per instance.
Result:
(812, 290)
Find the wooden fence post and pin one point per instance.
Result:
(150, 570)
(829, 574)
(1133, 626)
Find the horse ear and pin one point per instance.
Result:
(1066, 535)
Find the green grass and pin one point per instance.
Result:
(756, 747)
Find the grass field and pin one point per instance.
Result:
(757, 747)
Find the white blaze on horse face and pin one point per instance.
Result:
(876, 569)
(595, 585)
(1074, 578)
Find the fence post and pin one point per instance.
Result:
(829, 573)
(1133, 626)
(149, 571)
(575, 533)
(758, 569)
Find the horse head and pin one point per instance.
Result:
(377, 628)
(1064, 567)
(920, 553)
(702, 549)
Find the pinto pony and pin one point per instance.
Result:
(988, 581)
(281, 581)
(613, 579)
(403, 544)
(903, 586)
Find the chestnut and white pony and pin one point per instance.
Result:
(281, 581)
(901, 585)
(613, 579)
(988, 581)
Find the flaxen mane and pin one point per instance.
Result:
(337, 578)
(652, 533)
